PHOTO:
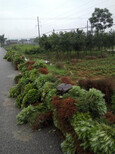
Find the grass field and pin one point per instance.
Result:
(73, 68)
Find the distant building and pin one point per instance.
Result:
(10, 42)
(23, 41)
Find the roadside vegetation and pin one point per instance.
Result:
(83, 109)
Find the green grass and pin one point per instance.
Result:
(100, 67)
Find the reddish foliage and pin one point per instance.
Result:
(65, 110)
(35, 104)
(16, 65)
(30, 62)
(106, 86)
(30, 67)
(66, 80)
(110, 117)
(43, 70)
(42, 120)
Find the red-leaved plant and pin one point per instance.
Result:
(43, 70)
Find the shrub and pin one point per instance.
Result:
(32, 74)
(46, 88)
(59, 65)
(64, 110)
(22, 67)
(88, 101)
(22, 82)
(96, 103)
(43, 70)
(42, 79)
(77, 93)
(14, 92)
(110, 117)
(30, 62)
(34, 50)
(68, 145)
(18, 59)
(30, 67)
(66, 80)
(113, 102)
(30, 98)
(39, 64)
(94, 135)
(43, 120)
(104, 85)
(26, 114)
(17, 78)
(19, 100)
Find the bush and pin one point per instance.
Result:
(65, 108)
(32, 74)
(17, 78)
(98, 137)
(110, 117)
(19, 100)
(46, 88)
(39, 64)
(59, 65)
(96, 103)
(30, 67)
(104, 85)
(18, 59)
(14, 92)
(43, 120)
(30, 98)
(113, 102)
(88, 101)
(68, 145)
(66, 80)
(34, 50)
(43, 70)
(22, 82)
(27, 113)
(30, 62)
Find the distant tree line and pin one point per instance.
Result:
(79, 41)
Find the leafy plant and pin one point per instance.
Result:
(94, 135)
(30, 98)
(14, 92)
(68, 145)
(43, 70)
(43, 120)
(19, 100)
(26, 114)
(113, 102)
(17, 78)
(39, 63)
(96, 103)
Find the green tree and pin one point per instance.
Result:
(2, 40)
(101, 19)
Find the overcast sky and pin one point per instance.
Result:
(18, 18)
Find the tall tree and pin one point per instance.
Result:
(2, 40)
(101, 19)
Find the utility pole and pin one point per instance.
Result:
(38, 27)
(87, 27)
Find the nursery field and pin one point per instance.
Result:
(77, 96)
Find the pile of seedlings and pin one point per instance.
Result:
(84, 114)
